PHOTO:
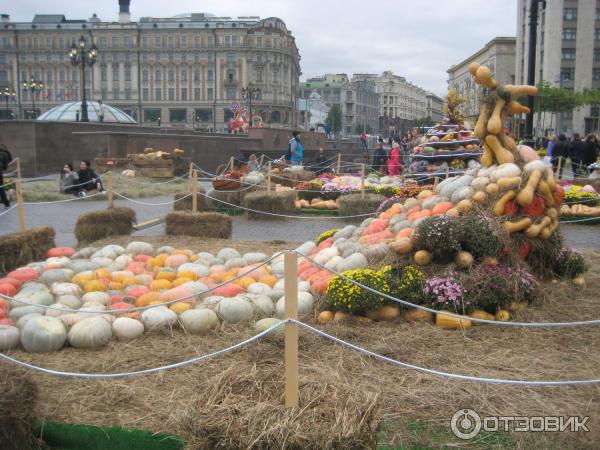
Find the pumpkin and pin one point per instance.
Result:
(259, 289)
(94, 332)
(35, 297)
(9, 337)
(26, 318)
(418, 315)
(43, 334)
(341, 316)
(228, 290)
(94, 285)
(180, 307)
(142, 258)
(197, 321)
(127, 329)
(305, 303)
(579, 280)
(158, 285)
(176, 260)
(146, 299)
(262, 304)
(464, 259)
(480, 314)
(71, 301)
(464, 206)
(228, 253)
(403, 245)
(135, 268)
(57, 310)
(8, 289)
(52, 276)
(447, 322)
(158, 318)
(536, 207)
(12, 281)
(502, 315)
(190, 275)
(388, 312)
(511, 207)
(96, 297)
(406, 232)
(422, 257)
(136, 248)
(245, 282)
(526, 195)
(269, 280)
(441, 208)
(24, 275)
(325, 317)
(234, 310)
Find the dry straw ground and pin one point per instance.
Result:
(347, 400)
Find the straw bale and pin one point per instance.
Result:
(18, 249)
(270, 202)
(291, 179)
(231, 197)
(104, 223)
(186, 203)
(207, 225)
(355, 204)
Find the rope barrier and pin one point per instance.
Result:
(171, 202)
(143, 308)
(177, 365)
(588, 219)
(74, 199)
(8, 210)
(450, 314)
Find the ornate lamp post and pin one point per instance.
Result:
(81, 57)
(8, 94)
(249, 93)
(33, 85)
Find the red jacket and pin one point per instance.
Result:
(394, 162)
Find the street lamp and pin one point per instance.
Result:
(249, 93)
(8, 93)
(33, 85)
(81, 57)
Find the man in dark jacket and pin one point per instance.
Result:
(88, 180)
(590, 150)
(560, 154)
(577, 154)
(5, 159)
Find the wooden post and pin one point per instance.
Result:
(558, 169)
(291, 330)
(269, 178)
(339, 162)
(262, 160)
(447, 172)
(20, 203)
(190, 176)
(435, 183)
(195, 191)
(110, 189)
(362, 180)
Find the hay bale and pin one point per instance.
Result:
(18, 398)
(18, 249)
(291, 179)
(186, 203)
(209, 225)
(241, 408)
(270, 202)
(355, 204)
(104, 223)
(231, 197)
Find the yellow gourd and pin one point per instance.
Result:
(423, 257)
(324, 317)
(502, 315)
(535, 230)
(418, 315)
(487, 157)
(507, 141)
(492, 188)
(452, 323)
(494, 125)
(453, 212)
(515, 107)
(484, 74)
(546, 233)
(498, 209)
(525, 197)
(464, 206)
(509, 183)
(481, 314)
(388, 312)
(516, 91)
(479, 197)
(503, 155)
(464, 259)
(544, 190)
(479, 130)
(513, 227)
(402, 245)
(341, 316)
(550, 179)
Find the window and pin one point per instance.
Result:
(157, 42)
(151, 115)
(569, 34)
(61, 43)
(227, 41)
(145, 75)
(230, 76)
(259, 75)
(597, 13)
(48, 42)
(259, 58)
(230, 93)
(570, 14)
(145, 41)
(171, 41)
(128, 42)
(567, 74)
(597, 34)
(276, 76)
(596, 74)
(230, 57)
(204, 115)
(196, 93)
(48, 76)
(171, 75)
(116, 94)
(158, 94)
(36, 42)
(177, 115)
(184, 41)
(116, 73)
(145, 94)
(196, 41)
(234, 41)
(209, 75)
(184, 75)
(568, 53)
(196, 75)
(171, 58)
(227, 114)
(596, 54)
(211, 41)
(74, 75)
(196, 58)
(171, 93)
(209, 94)
(158, 75)
(259, 41)
(127, 73)
(62, 76)
(184, 94)
(116, 41)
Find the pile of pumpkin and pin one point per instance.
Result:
(77, 296)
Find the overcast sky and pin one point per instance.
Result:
(418, 39)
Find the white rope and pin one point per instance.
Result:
(142, 308)
(588, 219)
(154, 183)
(151, 204)
(8, 174)
(444, 155)
(286, 215)
(8, 210)
(143, 371)
(447, 313)
(66, 200)
(441, 373)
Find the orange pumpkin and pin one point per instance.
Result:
(269, 280)
(16, 283)
(8, 289)
(245, 282)
(138, 291)
(142, 258)
(166, 275)
(180, 307)
(57, 252)
(80, 279)
(414, 209)
(135, 267)
(406, 232)
(176, 260)
(130, 281)
(158, 285)
(181, 280)
(177, 293)
(229, 290)
(441, 208)
(308, 272)
(187, 274)
(94, 286)
(115, 286)
(158, 260)
(147, 299)
(24, 275)
(102, 273)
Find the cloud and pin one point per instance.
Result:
(419, 40)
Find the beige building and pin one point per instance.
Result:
(434, 107)
(185, 70)
(499, 56)
(567, 55)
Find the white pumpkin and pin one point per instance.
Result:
(353, 262)
(306, 248)
(158, 317)
(70, 301)
(43, 334)
(377, 251)
(127, 329)
(61, 261)
(326, 254)
(123, 273)
(208, 259)
(92, 306)
(234, 262)
(210, 302)
(258, 289)
(34, 298)
(276, 294)
(266, 323)
(199, 269)
(84, 253)
(102, 261)
(90, 333)
(117, 249)
(81, 267)
(52, 276)
(197, 321)
(17, 313)
(278, 269)
(26, 318)
(66, 289)
(33, 286)
(199, 289)
(412, 202)
(462, 193)
(344, 233)
(263, 305)
(508, 170)
(140, 248)
(254, 258)
(479, 183)
(165, 249)
(348, 248)
(9, 337)
(101, 298)
(305, 303)
(57, 309)
(123, 261)
(104, 254)
(234, 310)
(431, 201)
(334, 262)
(228, 253)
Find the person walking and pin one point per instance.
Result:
(577, 154)
(393, 162)
(380, 157)
(102, 111)
(550, 148)
(69, 179)
(560, 152)
(363, 141)
(5, 159)
(590, 150)
(295, 149)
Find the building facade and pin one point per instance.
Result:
(499, 56)
(434, 107)
(357, 99)
(567, 55)
(183, 71)
(313, 111)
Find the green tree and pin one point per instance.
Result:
(555, 100)
(334, 118)
(359, 128)
(423, 122)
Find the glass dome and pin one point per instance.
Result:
(68, 112)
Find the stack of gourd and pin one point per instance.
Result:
(75, 297)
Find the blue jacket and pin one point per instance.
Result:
(296, 149)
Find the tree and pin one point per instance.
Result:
(423, 122)
(334, 118)
(359, 128)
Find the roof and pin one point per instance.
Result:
(49, 18)
(496, 40)
(68, 112)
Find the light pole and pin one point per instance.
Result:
(33, 85)
(8, 93)
(248, 93)
(81, 57)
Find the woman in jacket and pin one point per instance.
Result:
(393, 163)
(69, 180)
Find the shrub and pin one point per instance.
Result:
(569, 263)
(438, 235)
(388, 202)
(325, 235)
(446, 293)
(343, 295)
(479, 235)
(406, 283)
